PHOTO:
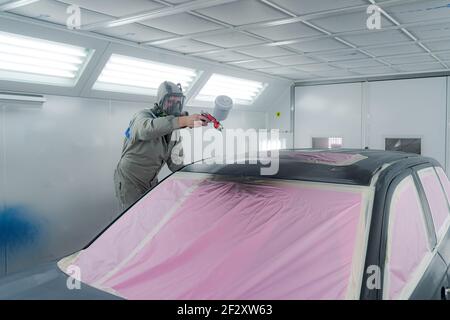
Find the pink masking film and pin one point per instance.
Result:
(232, 240)
(444, 181)
(409, 243)
(436, 198)
(124, 235)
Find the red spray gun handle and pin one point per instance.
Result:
(215, 122)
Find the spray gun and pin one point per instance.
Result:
(212, 119)
(222, 106)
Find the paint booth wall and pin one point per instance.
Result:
(365, 114)
(56, 174)
(328, 111)
(279, 116)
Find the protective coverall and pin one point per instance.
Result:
(151, 141)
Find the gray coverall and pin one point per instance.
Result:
(149, 145)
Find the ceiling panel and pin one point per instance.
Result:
(182, 23)
(363, 63)
(393, 49)
(300, 76)
(278, 60)
(117, 8)
(420, 67)
(228, 40)
(287, 71)
(432, 31)
(243, 12)
(377, 37)
(303, 78)
(135, 32)
(296, 75)
(292, 60)
(187, 46)
(438, 45)
(347, 22)
(318, 45)
(177, 1)
(265, 52)
(316, 67)
(286, 32)
(226, 56)
(256, 64)
(54, 11)
(404, 59)
(420, 11)
(310, 6)
(374, 71)
(351, 54)
(335, 74)
(444, 55)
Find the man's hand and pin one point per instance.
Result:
(195, 120)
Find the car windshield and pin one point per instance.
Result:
(203, 236)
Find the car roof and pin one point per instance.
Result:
(293, 166)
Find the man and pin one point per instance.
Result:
(150, 139)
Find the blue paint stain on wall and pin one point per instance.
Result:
(19, 228)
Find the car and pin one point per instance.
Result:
(330, 224)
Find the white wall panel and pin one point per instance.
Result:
(59, 185)
(413, 108)
(328, 111)
(283, 121)
(365, 114)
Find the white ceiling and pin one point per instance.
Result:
(303, 40)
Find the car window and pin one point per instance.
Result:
(444, 180)
(435, 197)
(407, 239)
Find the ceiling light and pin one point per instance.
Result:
(34, 60)
(139, 76)
(242, 91)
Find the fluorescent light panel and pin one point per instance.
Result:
(138, 76)
(27, 59)
(242, 91)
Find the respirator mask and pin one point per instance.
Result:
(170, 99)
(172, 104)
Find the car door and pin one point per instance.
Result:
(444, 247)
(413, 268)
